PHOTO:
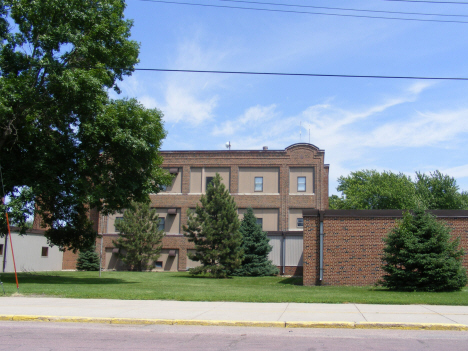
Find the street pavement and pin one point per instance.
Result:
(289, 315)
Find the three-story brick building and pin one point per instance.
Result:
(277, 184)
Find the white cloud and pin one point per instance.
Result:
(182, 105)
(148, 102)
(418, 87)
(457, 172)
(423, 129)
(252, 117)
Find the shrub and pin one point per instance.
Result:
(88, 260)
(419, 256)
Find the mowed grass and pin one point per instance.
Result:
(183, 287)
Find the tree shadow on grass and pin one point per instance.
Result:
(28, 278)
(199, 277)
(291, 281)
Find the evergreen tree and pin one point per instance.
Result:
(88, 260)
(256, 247)
(139, 239)
(419, 256)
(214, 228)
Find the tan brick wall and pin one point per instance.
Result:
(298, 155)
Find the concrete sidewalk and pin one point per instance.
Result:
(283, 315)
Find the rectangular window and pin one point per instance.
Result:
(1, 249)
(162, 223)
(258, 183)
(208, 181)
(117, 220)
(301, 183)
(158, 264)
(260, 221)
(163, 187)
(45, 251)
(300, 222)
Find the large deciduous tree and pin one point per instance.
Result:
(64, 144)
(439, 191)
(214, 228)
(140, 238)
(369, 189)
(420, 255)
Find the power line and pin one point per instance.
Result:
(304, 12)
(345, 9)
(300, 74)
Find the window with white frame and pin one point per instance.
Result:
(300, 222)
(258, 183)
(301, 183)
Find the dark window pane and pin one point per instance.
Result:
(208, 181)
(45, 252)
(260, 221)
(162, 223)
(117, 220)
(300, 222)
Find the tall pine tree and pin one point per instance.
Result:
(139, 239)
(214, 228)
(419, 256)
(256, 247)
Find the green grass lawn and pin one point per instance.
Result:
(183, 287)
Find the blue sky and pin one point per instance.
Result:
(384, 124)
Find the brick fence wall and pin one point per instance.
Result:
(353, 243)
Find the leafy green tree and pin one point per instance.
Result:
(140, 238)
(369, 189)
(62, 138)
(88, 260)
(419, 256)
(336, 203)
(438, 191)
(214, 228)
(256, 247)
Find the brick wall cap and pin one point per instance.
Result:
(383, 213)
(293, 146)
(28, 231)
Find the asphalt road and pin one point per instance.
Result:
(39, 336)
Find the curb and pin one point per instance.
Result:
(337, 325)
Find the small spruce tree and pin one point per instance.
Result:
(139, 239)
(256, 247)
(214, 228)
(88, 260)
(419, 256)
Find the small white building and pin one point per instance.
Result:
(32, 253)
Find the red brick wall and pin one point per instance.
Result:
(291, 270)
(353, 246)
